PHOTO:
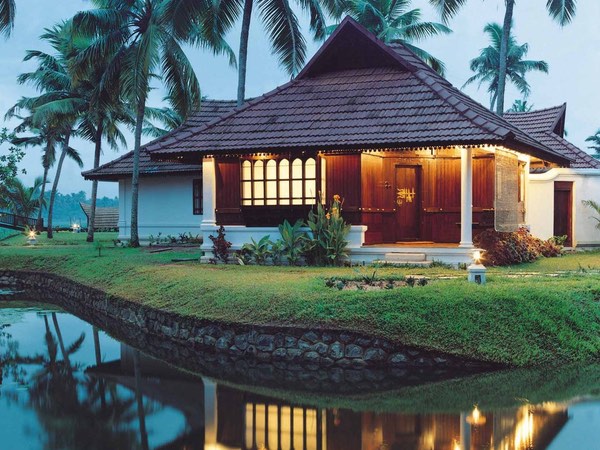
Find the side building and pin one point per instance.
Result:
(170, 193)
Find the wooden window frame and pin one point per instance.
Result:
(197, 200)
(278, 200)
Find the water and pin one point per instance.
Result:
(68, 385)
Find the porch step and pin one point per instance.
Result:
(405, 257)
(404, 263)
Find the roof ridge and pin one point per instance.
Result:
(517, 113)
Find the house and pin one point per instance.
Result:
(422, 167)
(555, 194)
(170, 194)
(105, 219)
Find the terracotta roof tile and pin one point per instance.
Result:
(123, 166)
(333, 105)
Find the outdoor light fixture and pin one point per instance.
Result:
(76, 228)
(31, 239)
(476, 271)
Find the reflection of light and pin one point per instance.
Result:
(456, 445)
(524, 431)
(476, 418)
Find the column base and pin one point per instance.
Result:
(466, 245)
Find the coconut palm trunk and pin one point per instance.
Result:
(61, 160)
(139, 123)
(506, 28)
(97, 152)
(243, 55)
(39, 221)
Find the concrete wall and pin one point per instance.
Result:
(540, 204)
(165, 206)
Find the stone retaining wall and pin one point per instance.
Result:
(291, 345)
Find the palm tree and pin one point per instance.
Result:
(486, 65)
(23, 200)
(520, 106)
(7, 16)
(48, 135)
(594, 206)
(212, 20)
(562, 11)
(595, 140)
(393, 22)
(51, 78)
(138, 41)
(93, 110)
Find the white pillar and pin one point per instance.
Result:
(209, 192)
(466, 198)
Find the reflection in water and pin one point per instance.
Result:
(66, 385)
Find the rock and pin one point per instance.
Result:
(311, 337)
(336, 350)
(311, 356)
(398, 359)
(364, 342)
(241, 341)
(353, 351)
(374, 355)
(265, 343)
(293, 354)
(321, 348)
(279, 353)
(345, 338)
(223, 343)
(439, 360)
(304, 345)
(327, 338)
(290, 342)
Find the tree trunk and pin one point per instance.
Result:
(61, 160)
(38, 222)
(508, 16)
(243, 55)
(97, 151)
(139, 122)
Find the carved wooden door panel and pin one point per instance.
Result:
(408, 203)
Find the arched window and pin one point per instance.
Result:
(277, 182)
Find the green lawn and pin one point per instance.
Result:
(522, 317)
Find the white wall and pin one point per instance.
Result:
(540, 203)
(165, 206)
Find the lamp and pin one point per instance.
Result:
(31, 237)
(476, 418)
(476, 271)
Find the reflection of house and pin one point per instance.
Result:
(554, 205)
(220, 417)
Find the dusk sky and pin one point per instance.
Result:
(573, 53)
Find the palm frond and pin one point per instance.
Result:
(562, 11)
(7, 16)
(447, 8)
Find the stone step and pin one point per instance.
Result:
(404, 256)
(404, 263)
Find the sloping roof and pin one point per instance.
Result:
(547, 126)
(106, 218)
(123, 166)
(356, 92)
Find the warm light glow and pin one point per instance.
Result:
(524, 432)
(32, 234)
(456, 445)
(477, 256)
(476, 418)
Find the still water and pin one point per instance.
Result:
(65, 384)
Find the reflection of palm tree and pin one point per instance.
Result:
(72, 420)
(139, 399)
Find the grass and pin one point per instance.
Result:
(522, 317)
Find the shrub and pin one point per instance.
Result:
(329, 231)
(259, 251)
(292, 239)
(504, 249)
(220, 247)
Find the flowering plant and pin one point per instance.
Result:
(328, 243)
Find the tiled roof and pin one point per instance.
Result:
(123, 166)
(547, 126)
(355, 93)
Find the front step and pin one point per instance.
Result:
(404, 263)
(404, 257)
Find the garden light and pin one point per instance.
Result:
(476, 418)
(476, 271)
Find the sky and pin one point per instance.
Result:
(572, 52)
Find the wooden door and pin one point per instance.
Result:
(408, 203)
(563, 210)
